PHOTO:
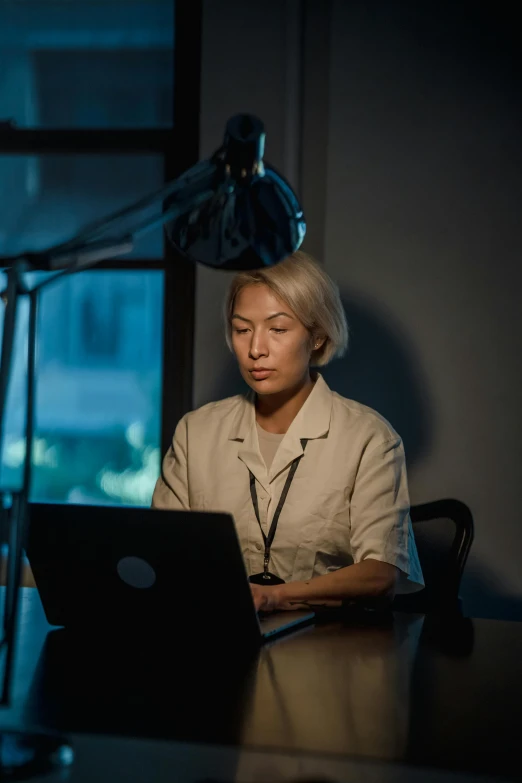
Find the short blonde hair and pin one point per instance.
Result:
(312, 295)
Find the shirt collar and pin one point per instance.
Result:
(312, 421)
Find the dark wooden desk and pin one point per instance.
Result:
(414, 691)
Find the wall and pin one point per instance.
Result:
(243, 70)
(419, 224)
(423, 236)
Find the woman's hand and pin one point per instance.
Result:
(273, 599)
(266, 599)
(369, 580)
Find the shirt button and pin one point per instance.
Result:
(258, 545)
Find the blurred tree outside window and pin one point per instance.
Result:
(87, 64)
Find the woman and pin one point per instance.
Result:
(316, 483)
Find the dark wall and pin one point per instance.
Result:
(423, 235)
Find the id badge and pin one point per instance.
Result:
(267, 579)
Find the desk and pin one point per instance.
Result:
(412, 691)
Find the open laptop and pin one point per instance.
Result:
(126, 570)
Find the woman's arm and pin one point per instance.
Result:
(379, 534)
(171, 490)
(369, 579)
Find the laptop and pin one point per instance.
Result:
(126, 570)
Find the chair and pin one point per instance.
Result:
(444, 533)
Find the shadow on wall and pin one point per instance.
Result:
(484, 596)
(381, 371)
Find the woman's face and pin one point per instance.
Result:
(272, 346)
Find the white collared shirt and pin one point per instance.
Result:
(348, 500)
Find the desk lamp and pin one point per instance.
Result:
(231, 211)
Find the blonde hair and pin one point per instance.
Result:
(312, 295)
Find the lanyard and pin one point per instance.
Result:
(268, 539)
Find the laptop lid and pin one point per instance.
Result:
(130, 568)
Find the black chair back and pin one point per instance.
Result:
(444, 533)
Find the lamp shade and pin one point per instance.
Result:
(251, 217)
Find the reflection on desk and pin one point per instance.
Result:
(330, 689)
(431, 692)
(111, 759)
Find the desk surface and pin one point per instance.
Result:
(414, 691)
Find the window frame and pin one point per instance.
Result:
(179, 147)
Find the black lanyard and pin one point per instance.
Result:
(268, 539)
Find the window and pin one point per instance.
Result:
(51, 197)
(98, 401)
(93, 120)
(88, 99)
(87, 63)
